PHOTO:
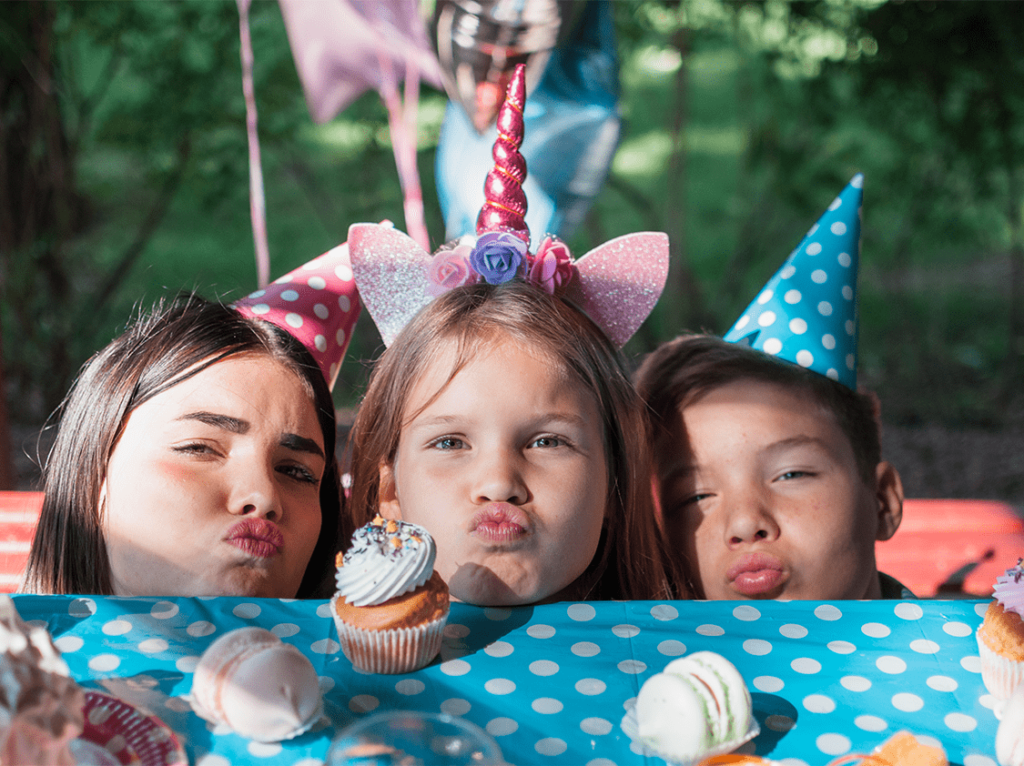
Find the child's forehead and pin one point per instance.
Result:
(449, 357)
(761, 402)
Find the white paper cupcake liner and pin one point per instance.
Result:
(631, 730)
(1000, 674)
(392, 650)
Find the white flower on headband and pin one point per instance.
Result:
(450, 269)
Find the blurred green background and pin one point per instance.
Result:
(124, 177)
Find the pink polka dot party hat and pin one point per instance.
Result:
(317, 303)
(807, 313)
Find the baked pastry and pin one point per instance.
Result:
(391, 606)
(699, 705)
(903, 749)
(258, 686)
(1010, 737)
(1001, 635)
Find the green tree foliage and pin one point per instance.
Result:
(929, 106)
(123, 174)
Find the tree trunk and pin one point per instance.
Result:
(685, 307)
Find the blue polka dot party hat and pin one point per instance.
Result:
(807, 313)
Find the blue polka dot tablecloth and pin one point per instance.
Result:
(550, 682)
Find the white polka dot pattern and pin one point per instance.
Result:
(801, 313)
(550, 682)
(301, 303)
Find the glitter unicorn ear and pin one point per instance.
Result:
(317, 303)
(617, 284)
(807, 313)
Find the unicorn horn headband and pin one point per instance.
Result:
(616, 284)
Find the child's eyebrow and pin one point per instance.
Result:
(563, 417)
(433, 420)
(241, 427)
(678, 471)
(546, 418)
(798, 441)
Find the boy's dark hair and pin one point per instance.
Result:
(681, 371)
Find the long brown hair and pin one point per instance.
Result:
(631, 560)
(160, 349)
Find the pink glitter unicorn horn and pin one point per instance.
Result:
(505, 202)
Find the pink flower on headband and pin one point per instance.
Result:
(497, 256)
(551, 269)
(450, 269)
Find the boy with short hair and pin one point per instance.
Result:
(770, 478)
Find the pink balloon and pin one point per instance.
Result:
(344, 47)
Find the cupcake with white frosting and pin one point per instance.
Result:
(390, 606)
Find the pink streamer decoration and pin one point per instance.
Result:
(257, 199)
(402, 114)
(343, 47)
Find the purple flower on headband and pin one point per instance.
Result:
(450, 269)
(497, 256)
(551, 268)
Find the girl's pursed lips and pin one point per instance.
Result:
(500, 523)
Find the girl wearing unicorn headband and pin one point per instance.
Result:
(195, 453)
(501, 416)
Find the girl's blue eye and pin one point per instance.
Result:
(547, 441)
(448, 443)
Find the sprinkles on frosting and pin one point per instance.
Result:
(385, 559)
(384, 536)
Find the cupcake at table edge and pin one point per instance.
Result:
(1001, 635)
(391, 606)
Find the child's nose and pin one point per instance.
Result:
(255, 493)
(498, 478)
(750, 521)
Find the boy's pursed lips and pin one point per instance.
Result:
(756, 573)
